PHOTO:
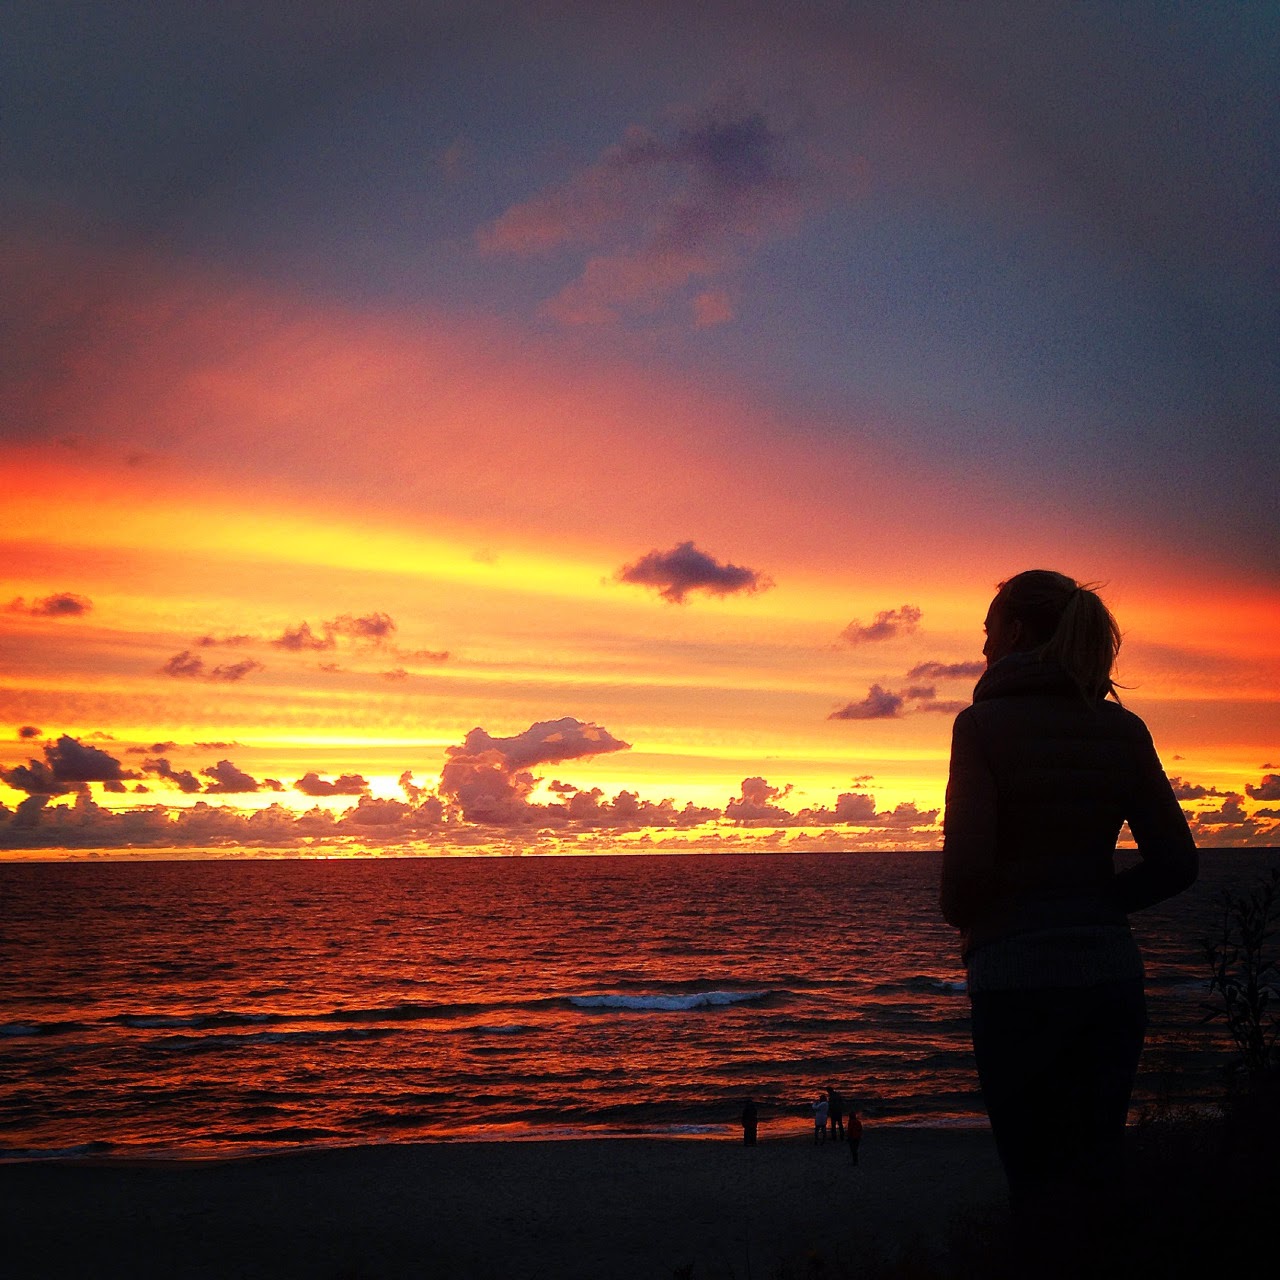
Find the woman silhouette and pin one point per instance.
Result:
(1046, 767)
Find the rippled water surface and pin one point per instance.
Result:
(220, 1005)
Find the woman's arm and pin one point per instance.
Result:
(969, 826)
(1169, 861)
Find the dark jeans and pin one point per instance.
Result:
(1057, 1067)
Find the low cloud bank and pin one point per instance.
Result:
(489, 792)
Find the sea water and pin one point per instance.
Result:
(235, 1005)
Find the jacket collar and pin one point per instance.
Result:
(1023, 673)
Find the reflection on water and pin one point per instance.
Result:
(232, 1005)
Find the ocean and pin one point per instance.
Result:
(197, 1008)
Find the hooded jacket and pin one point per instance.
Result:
(1041, 781)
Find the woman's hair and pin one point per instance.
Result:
(1067, 622)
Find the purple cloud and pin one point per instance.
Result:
(63, 604)
(235, 671)
(879, 704)
(185, 663)
(183, 779)
(667, 211)
(1267, 789)
(757, 803)
(67, 766)
(369, 628)
(887, 624)
(945, 670)
(684, 568)
(226, 779)
(35, 778)
(547, 742)
(488, 778)
(191, 666)
(346, 784)
(301, 637)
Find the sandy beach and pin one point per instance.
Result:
(624, 1208)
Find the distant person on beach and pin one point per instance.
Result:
(855, 1134)
(835, 1113)
(749, 1122)
(820, 1120)
(1046, 767)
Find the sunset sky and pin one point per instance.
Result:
(601, 426)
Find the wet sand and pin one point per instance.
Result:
(566, 1210)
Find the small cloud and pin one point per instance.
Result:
(35, 778)
(1193, 790)
(887, 624)
(185, 663)
(854, 808)
(372, 627)
(183, 779)
(879, 704)
(412, 791)
(28, 731)
(191, 666)
(368, 628)
(907, 815)
(1267, 789)
(684, 569)
(668, 212)
(547, 742)
(68, 765)
(757, 803)
(945, 670)
(487, 779)
(396, 673)
(925, 698)
(72, 761)
(301, 637)
(209, 641)
(63, 604)
(226, 779)
(235, 671)
(1231, 812)
(347, 784)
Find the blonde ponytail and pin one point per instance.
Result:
(1067, 623)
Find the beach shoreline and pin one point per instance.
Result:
(567, 1208)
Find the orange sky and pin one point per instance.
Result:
(507, 606)
(384, 409)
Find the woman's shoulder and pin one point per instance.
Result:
(1123, 718)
